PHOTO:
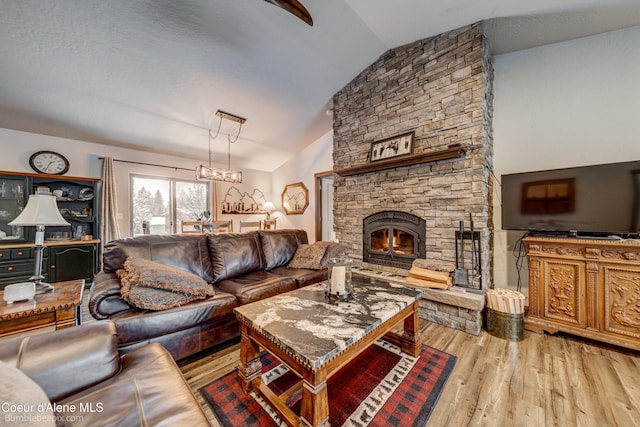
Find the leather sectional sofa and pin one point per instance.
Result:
(76, 376)
(241, 267)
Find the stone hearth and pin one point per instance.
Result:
(441, 90)
(457, 310)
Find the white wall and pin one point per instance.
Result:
(316, 158)
(568, 104)
(84, 159)
(16, 148)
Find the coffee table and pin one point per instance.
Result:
(314, 338)
(59, 308)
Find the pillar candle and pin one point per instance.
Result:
(338, 279)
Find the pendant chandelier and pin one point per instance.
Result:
(219, 174)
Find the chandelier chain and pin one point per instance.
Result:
(229, 141)
(237, 135)
(218, 131)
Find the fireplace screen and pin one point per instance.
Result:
(393, 238)
(398, 241)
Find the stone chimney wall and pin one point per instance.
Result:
(440, 88)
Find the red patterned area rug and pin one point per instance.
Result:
(381, 387)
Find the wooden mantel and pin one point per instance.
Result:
(451, 152)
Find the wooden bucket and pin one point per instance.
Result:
(509, 326)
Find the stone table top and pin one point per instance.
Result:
(313, 330)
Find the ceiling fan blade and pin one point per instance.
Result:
(293, 6)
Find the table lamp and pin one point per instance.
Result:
(41, 210)
(268, 223)
(268, 207)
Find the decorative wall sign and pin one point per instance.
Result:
(396, 146)
(295, 198)
(237, 202)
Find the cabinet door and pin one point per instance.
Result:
(621, 286)
(564, 293)
(72, 262)
(13, 196)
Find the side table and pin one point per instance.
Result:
(59, 308)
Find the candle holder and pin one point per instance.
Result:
(339, 285)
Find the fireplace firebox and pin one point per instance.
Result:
(393, 238)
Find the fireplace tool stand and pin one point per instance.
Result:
(468, 278)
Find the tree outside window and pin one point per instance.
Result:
(159, 205)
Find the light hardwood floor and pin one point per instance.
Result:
(544, 380)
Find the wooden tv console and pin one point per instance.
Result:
(585, 287)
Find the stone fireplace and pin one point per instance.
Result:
(393, 238)
(440, 90)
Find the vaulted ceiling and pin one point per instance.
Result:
(151, 74)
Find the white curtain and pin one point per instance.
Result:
(109, 229)
(214, 201)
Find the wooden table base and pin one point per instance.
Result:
(315, 403)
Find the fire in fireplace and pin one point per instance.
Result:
(393, 238)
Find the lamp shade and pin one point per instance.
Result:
(41, 209)
(268, 207)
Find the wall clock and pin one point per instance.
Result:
(49, 162)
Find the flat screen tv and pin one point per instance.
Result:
(596, 200)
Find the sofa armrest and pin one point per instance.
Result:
(105, 298)
(66, 361)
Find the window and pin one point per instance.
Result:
(159, 205)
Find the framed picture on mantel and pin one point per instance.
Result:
(400, 145)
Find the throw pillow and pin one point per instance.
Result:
(154, 286)
(308, 256)
(25, 403)
(334, 250)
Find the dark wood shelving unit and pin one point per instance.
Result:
(66, 256)
(451, 152)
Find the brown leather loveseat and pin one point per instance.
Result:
(241, 268)
(76, 376)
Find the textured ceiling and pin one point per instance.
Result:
(151, 74)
